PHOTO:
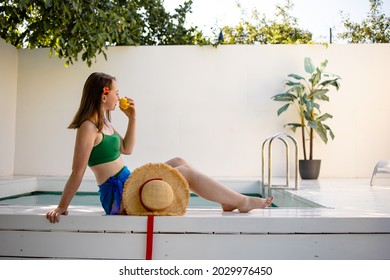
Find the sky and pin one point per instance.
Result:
(316, 16)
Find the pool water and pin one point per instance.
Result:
(281, 199)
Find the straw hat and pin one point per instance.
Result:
(156, 189)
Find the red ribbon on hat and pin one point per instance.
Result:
(150, 225)
(149, 238)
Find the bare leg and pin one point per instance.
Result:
(211, 189)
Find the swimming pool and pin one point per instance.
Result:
(282, 198)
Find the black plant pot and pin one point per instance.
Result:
(309, 169)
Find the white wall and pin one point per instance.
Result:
(8, 91)
(209, 105)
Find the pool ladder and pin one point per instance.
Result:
(267, 144)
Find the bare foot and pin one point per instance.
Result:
(249, 203)
(228, 208)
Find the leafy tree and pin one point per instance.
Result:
(259, 30)
(374, 29)
(87, 27)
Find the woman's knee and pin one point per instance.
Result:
(183, 167)
(186, 171)
(177, 161)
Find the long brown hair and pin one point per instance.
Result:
(91, 100)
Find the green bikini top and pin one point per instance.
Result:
(107, 150)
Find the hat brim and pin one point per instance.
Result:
(131, 194)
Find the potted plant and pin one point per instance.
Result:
(305, 96)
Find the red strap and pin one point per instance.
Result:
(149, 238)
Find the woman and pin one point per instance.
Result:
(100, 146)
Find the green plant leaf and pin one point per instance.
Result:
(324, 117)
(48, 3)
(330, 131)
(291, 83)
(309, 67)
(293, 126)
(321, 131)
(284, 97)
(333, 82)
(295, 76)
(315, 78)
(323, 65)
(309, 106)
(312, 124)
(320, 94)
(317, 106)
(283, 108)
(298, 89)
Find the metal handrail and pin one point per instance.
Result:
(282, 137)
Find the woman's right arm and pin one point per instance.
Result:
(85, 141)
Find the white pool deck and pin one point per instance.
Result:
(353, 224)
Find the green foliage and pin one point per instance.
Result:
(374, 29)
(87, 27)
(259, 30)
(305, 95)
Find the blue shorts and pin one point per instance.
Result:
(111, 192)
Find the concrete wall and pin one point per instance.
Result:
(209, 105)
(8, 93)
